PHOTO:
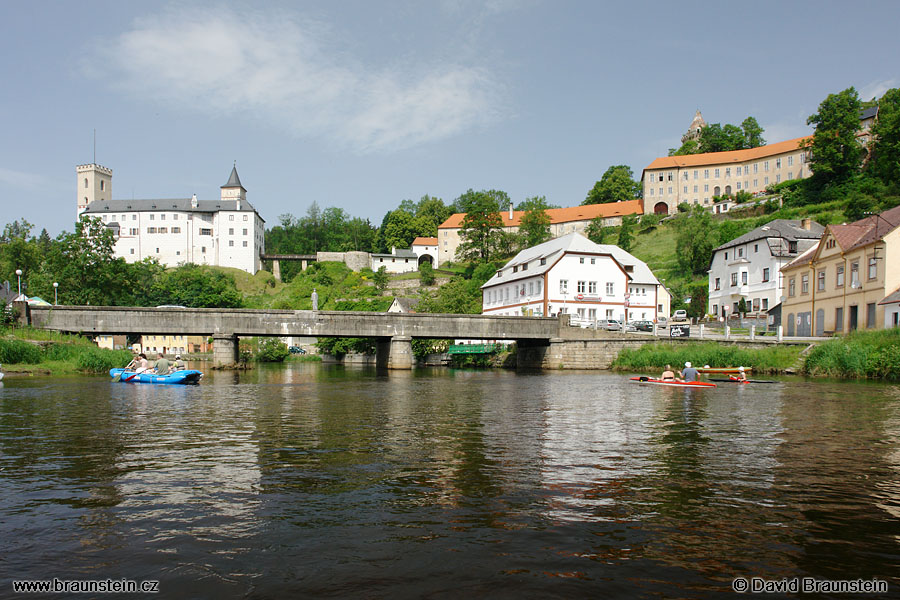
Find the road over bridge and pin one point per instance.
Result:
(394, 331)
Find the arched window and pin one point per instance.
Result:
(85, 183)
(101, 185)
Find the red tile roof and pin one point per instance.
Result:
(867, 230)
(718, 158)
(425, 241)
(561, 215)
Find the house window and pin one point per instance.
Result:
(705, 173)
(245, 231)
(581, 287)
(873, 268)
(525, 267)
(715, 309)
(791, 286)
(839, 318)
(870, 315)
(765, 304)
(162, 217)
(766, 274)
(727, 171)
(176, 230)
(581, 260)
(820, 284)
(804, 283)
(854, 275)
(516, 269)
(610, 288)
(85, 183)
(740, 252)
(152, 217)
(151, 230)
(245, 217)
(718, 283)
(163, 230)
(592, 288)
(231, 242)
(755, 248)
(743, 277)
(717, 173)
(563, 286)
(593, 261)
(132, 250)
(734, 277)
(530, 288)
(839, 277)
(245, 244)
(231, 217)
(206, 232)
(231, 231)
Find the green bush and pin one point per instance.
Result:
(272, 350)
(658, 355)
(19, 351)
(101, 360)
(861, 354)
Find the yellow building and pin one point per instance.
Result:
(697, 178)
(174, 344)
(837, 285)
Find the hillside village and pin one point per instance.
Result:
(795, 233)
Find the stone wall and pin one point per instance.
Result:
(356, 261)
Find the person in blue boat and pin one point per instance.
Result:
(178, 365)
(162, 366)
(139, 364)
(689, 373)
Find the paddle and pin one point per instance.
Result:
(739, 381)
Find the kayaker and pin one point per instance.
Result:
(134, 364)
(179, 364)
(689, 373)
(741, 375)
(162, 366)
(143, 363)
(668, 374)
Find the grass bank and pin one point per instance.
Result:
(858, 355)
(657, 355)
(24, 350)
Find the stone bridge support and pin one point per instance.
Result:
(225, 350)
(276, 269)
(394, 353)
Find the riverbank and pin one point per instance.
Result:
(656, 355)
(858, 355)
(26, 352)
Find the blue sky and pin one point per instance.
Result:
(361, 104)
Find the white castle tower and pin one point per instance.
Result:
(233, 190)
(94, 183)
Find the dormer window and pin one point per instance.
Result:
(515, 269)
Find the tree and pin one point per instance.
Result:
(885, 161)
(836, 155)
(688, 147)
(196, 286)
(695, 240)
(480, 229)
(426, 273)
(381, 278)
(626, 235)
(397, 230)
(617, 183)
(534, 227)
(535, 202)
(597, 232)
(752, 133)
(716, 138)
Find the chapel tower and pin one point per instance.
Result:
(93, 183)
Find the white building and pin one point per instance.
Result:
(749, 266)
(573, 275)
(426, 247)
(227, 232)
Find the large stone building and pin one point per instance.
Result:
(838, 284)
(562, 222)
(749, 266)
(694, 129)
(227, 232)
(698, 178)
(573, 275)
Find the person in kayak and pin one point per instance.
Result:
(162, 366)
(668, 374)
(741, 375)
(178, 365)
(689, 373)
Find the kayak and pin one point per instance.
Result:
(724, 370)
(731, 380)
(179, 377)
(688, 384)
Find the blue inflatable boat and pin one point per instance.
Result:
(181, 377)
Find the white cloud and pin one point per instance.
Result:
(291, 74)
(876, 89)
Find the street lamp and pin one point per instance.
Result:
(19, 275)
(55, 293)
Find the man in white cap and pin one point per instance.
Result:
(741, 376)
(179, 364)
(689, 373)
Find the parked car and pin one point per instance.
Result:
(609, 325)
(679, 315)
(662, 322)
(296, 350)
(643, 325)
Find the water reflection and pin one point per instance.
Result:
(338, 481)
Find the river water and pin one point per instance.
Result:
(318, 481)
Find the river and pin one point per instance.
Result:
(323, 481)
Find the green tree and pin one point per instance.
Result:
(752, 133)
(836, 155)
(480, 229)
(695, 240)
(626, 232)
(272, 350)
(18, 250)
(617, 183)
(196, 286)
(381, 278)
(426, 273)
(398, 230)
(534, 227)
(688, 147)
(885, 161)
(535, 202)
(597, 232)
(716, 138)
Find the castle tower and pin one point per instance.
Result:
(233, 190)
(94, 182)
(693, 132)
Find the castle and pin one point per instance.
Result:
(227, 232)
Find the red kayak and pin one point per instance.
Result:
(689, 384)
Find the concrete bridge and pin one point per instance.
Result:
(393, 331)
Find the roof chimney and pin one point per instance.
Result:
(510, 211)
(806, 223)
(194, 202)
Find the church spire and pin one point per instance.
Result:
(234, 180)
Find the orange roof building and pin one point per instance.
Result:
(698, 178)
(562, 222)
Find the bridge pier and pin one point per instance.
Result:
(225, 350)
(276, 269)
(394, 353)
